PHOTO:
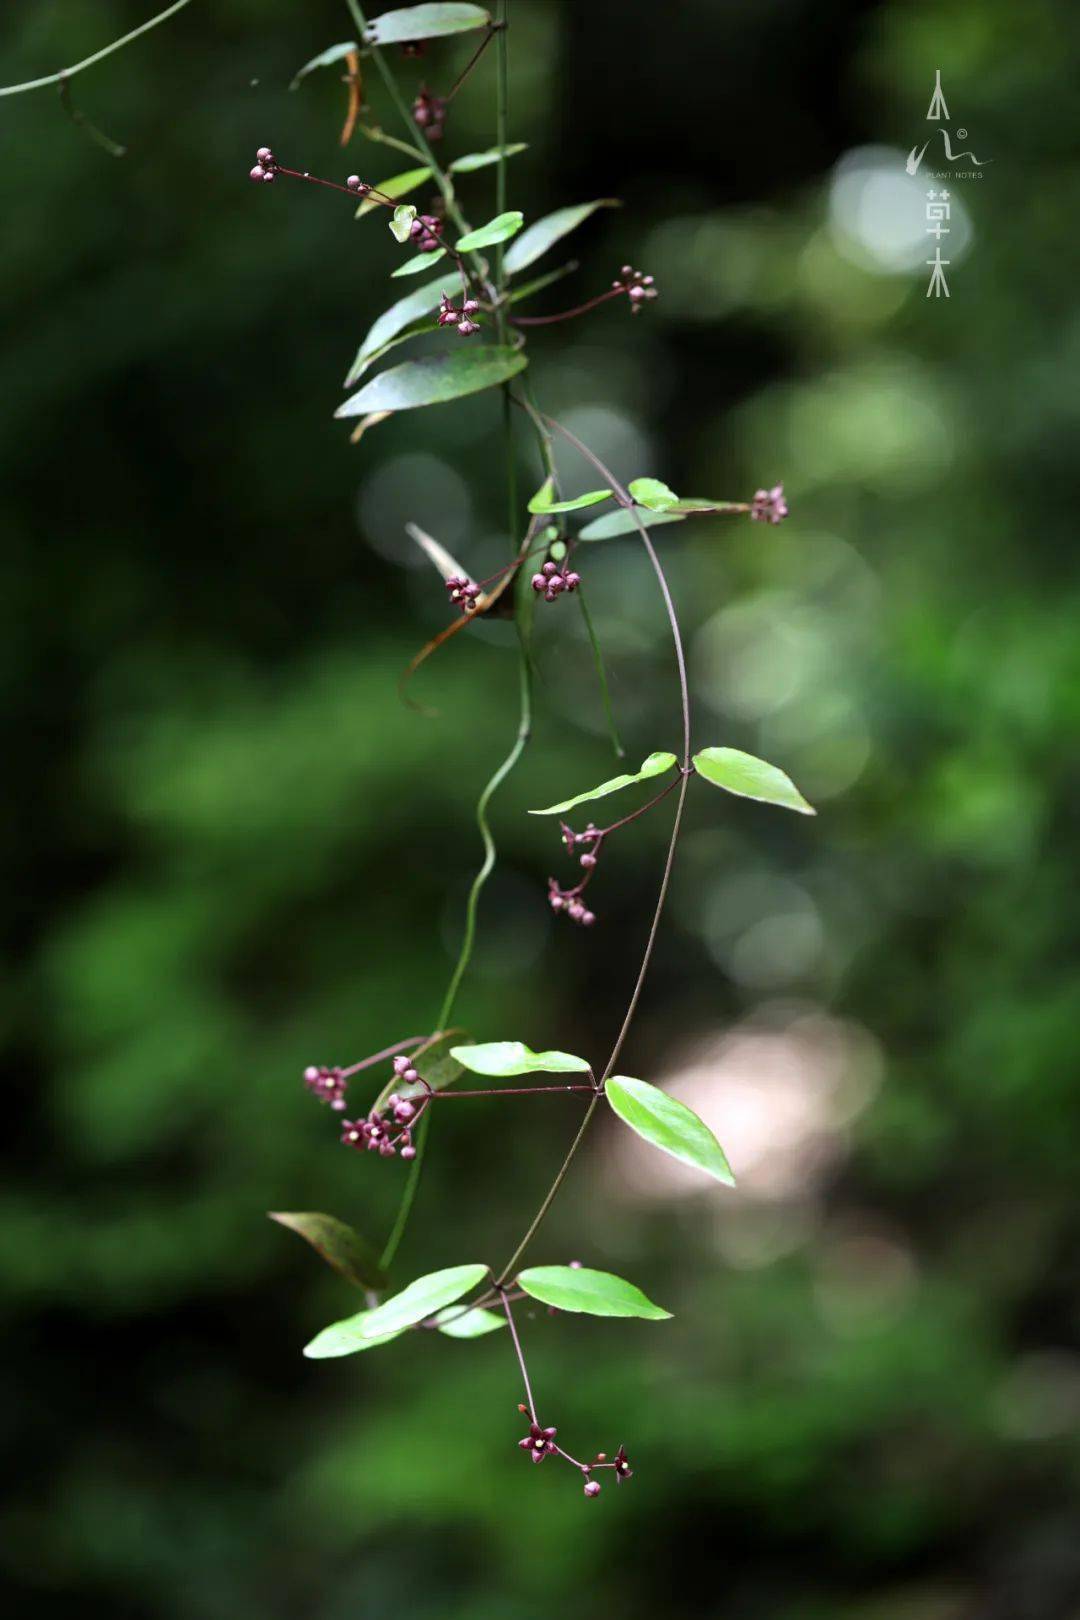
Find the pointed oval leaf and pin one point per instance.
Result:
(542, 501)
(393, 321)
(535, 242)
(424, 22)
(501, 1058)
(398, 185)
(345, 1338)
(402, 223)
(626, 522)
(499, 229)
(597, 1293)
(669, 1125)
(416, 267)
(435, 379)
(654, 494)
(750, 778)
(421, 1298)
(338, 1244)
(481, 160)
(459, 1324)
(327, 58)
(655, 765)
(360, 368)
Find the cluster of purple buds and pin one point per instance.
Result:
(638, 288)
(553, 580)
(426, 232)
(390, 1132)
(451, 315)
(769, 505)
(355, 184)
(329, 1085)
(568, 901)
(266, 164)
(429, 112)
(463, 591)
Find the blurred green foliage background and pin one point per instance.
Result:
(230, 851)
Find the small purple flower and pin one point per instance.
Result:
(329, 1085)
(464, 592)
(425, 232)
(622, 1468)
(639, 288)
(429, 112)
(539, 1443)
(769, 505)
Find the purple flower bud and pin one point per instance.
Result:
(403, 1111)
(410, 1074)
(265, 155)
(588, 859)
(550, 568)
(408, 1152)
(587, 919)
(573, 581)
(402, 1063)
(769, 505)
(592, 1487)
(258, 173)
(538, 582)
(466, 328)
(637, 293)
(268, 176)
(556, 584)
(470, 306)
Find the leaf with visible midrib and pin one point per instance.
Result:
(420, 1299)
(398, 185)
(596, 1293)
(499, 1059)
(392, 321)
(750, 778)
(543, 500)
(669, 1125)
(655, 765)
(435, 379)
(499, 229)
(338, 1245)
(627, 522)
(468, 1324)
(429, 21)
(542, 235)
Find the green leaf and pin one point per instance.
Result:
(422, 261)
(542, 501)
(346, 1337)
(669, 1125)
(750, 778)
(338, 1244)
(541, 236)
(391, 322)
(435, 379)
(481, 160)
(502, 1058)
(398, 185)
(597, 1293)
(327, 58)
(496, 230)
(626, 522)
(402, 223)
(420, 1299)
(459, 1324)
(652, 493)
(654, 765)
(361, 367)
(424, 22)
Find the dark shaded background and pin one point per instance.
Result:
(230, 851)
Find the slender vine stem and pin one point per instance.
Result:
(98, 56)
(623, 497)
(518, 1352)
(601, 676)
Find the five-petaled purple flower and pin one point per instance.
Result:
(623, 1469)
(539, 1443)
(328, 1085)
